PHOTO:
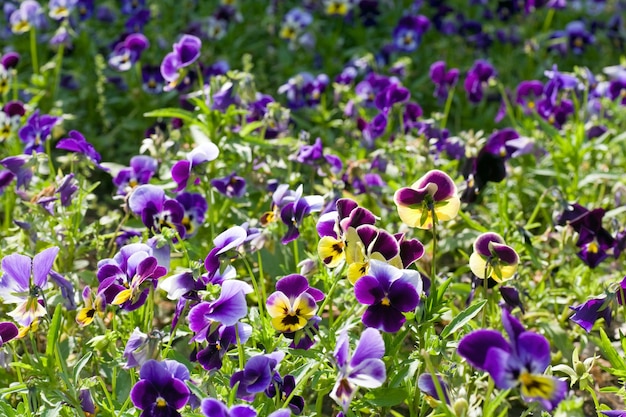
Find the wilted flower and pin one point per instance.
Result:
(430, 199)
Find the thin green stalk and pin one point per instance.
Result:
(33, 50)
(448, 106)
(240, 349)
(107, 394)
(148, 311)
(433, 262)
(57, 73)
(306, 380)
(50, 163)
(438, 387)
(168, 347)
(296, 255)
(255, 285)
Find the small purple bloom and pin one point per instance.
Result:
(8, 332)
(186, 52)
(29, 15)
(219, 342)
(182, 170)
(293, 213)
(141, 170)
(36, 131)
(161, 390)
(232, 185)
(578, 36)
(227, 241)
(140, 348)
(426, 384)
(128, 51)
(21, 166)
(586, 314)
(519, 361)
(407, 35)
(364, 368)
(444, 80)
(389, 292)
(156, 210)
(477, 79)
(256, 375)
(77, 143)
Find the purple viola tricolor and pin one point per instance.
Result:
(61, 9)
(211, 407)
(228, 309)
(161, 390)
(195, 207)
(142, 169)
(364, 368)
(293, 213)
(225, 243)
(8, 332)
(365, 243)
(232, 185)
(141, 347)
(219, 342)
(388, 292)
(283, 387)
(77, 143)
(407, 35)
(492, 258)
(315, 156)
(29, 15)
(304, 90)
(186, 52)
(126, 279)
(430, 199)
(521, 360)
(477, 80)
(157, 211)
(443, 79)
(426, 383)
(37, 131)
(23, 282)
(182, 170)
(586, 314)
(594, 241)
(256, 375)
(128, 51)
(293, 304)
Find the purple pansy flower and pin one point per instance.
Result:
(304, 90)
(293, 304)
(586, 314)
(77, 143)
(594, 241)
(125, 279)
(477, 79)
(128, 51)
(61, 9)
(182, 170)
(219, 342)
(195, 207)
(407, 35)
(232, 185)
(227, 241)
(141, 170)
(578, 37)
(426, 384)
(156, 210)
(21, 166)
(37, 131)
(161, 390)
(256, 375)
(444, 80)
(392, 94)
(140, 347)
(211, 407)
(283, 387)
(6, 178)
(8, 332)
(364, 368)
(293, 213)
(29, 15)
(228, 309)
(23, 281)
(521, 360)
(186, 52)
(388, 292)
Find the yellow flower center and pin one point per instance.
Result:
(160, 402)
(385, 301)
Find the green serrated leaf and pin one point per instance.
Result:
(462, 318)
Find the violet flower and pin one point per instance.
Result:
(6, 178)
(578, 36)
(29, 15)
(226, 242)
(586, 314)
(293, 304)
(443, 80)
(211, 407)
(21, 166)
(194, 207)
(219, 342)
(314, 155)
(61, 9)
(477, 79)
(283, 387)
(232, 186)
(304, 90)
(256, 375)
(186, 52)
(152, 80)
(140, 348)
(23, 282)
(182, 170)
(161, 390)
(521, 360)
(492, 258)
(77, 143)
(594, 241)
(388, 292)
(125, 279)
(156, 210)
(8, 332)
(141, 170)
(364, 368)
(426, 384)
(407, 35)
(128, 51)
(228, 309)
(392, 94)
(292, 214)
(37, 131)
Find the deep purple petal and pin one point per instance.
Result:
(370, 346)
(144, 394)
(384, 317)
(474, 346)
(16, 270)
(292, 285)
(481, 244)
(211, 407)
(368, 290)
(503, 367)
(146, 196)
(403, 295)
(533, 350)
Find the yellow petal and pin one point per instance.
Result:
(477, 264)
(331, 251)
(538, 386)
(355, 250)
(413, 217)
(289, 323)
(508, 271)
(85, 316)
(122, 297)
(357, 270)
(449, 210)
(280, 305)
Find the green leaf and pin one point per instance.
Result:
(609, 352)
(462, 318)
(54, 332)
(471, 223)
(173, 112)
(250, 127)
(80, 364)
(386, 397)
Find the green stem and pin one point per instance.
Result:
(33, 50)
(240, 351)
(306, 380)
(296, 255)
(57, 73)
(107, 394)
(438, 387)
(446, 109)
(259, 295)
